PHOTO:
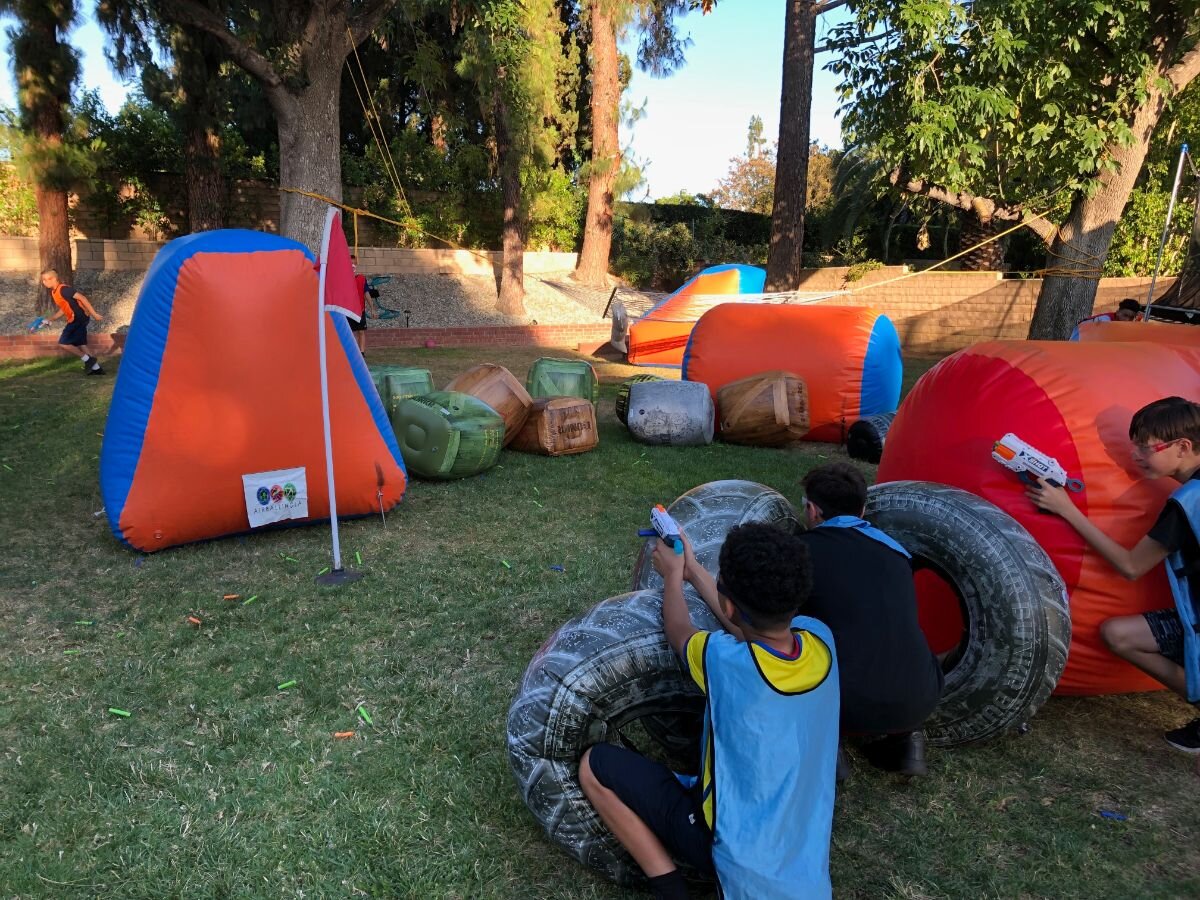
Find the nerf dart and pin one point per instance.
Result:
(195, 621)
(665, 527)
(343, 735)
(286, 685)
(364, 715)
(1030, 464)
(123, 713)
(249, 600)
(232, 597)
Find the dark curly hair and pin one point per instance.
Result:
(1169, 419)
(837, 489)
(766, 572)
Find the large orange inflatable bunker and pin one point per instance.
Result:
(1071, 401)
(1149, 332)
(848, 356)
(220, 379)
(659, 337)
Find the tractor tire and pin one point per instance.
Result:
(866, 437)
(1014, 605)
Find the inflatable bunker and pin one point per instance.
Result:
(658, 337)
(1147, 332)
(848, 356)
(1073, 402)
(215, 424)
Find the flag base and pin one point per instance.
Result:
(338, 577)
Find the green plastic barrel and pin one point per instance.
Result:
(549, 377)
(446, 434)
(623, 394)
(396, 383)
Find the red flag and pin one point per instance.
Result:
(341, 291)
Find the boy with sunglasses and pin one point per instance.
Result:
(759, 816)
(1164, 643)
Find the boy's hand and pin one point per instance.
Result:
(1049, 498)
(669, 564)
(690, 564)
(97, 317)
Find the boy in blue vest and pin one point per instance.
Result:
(759, 816)
(1164, 643)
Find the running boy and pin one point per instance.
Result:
(759, 816)
(75, 308)
(369, 295)
(1165, 643)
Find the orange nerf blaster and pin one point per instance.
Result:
(1030, 464)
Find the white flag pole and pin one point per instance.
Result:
(337, 576)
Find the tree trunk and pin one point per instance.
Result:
(205, 183)
(791, 166)
(1081, 245)
(54, 238)
(606, 149)
(310, 153)
(512, 274)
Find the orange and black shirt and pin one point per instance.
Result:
(64, 298)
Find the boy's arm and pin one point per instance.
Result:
(677, 624)
(706, 587)
(1132, 564)
(87, 307)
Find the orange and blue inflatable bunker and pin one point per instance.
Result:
(1143, 332)
(215, 424)
(848, 356)
(1073, 402)
(659, 337)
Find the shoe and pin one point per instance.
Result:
(1185, 739)
(87, 363)
(901, 753)
(95, 370)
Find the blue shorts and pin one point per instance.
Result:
(75, 334)
(1167, 629)
(658, 798)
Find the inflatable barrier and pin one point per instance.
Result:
(215, 421)
(1142, 332)
(659, 337)
(1073, 402)
(550, 377)
(849, 357)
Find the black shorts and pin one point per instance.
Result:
(75, 333)
(658, 798)
(1167, 629)
(360, 325)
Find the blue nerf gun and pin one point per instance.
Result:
(664, 527)
(37, 323)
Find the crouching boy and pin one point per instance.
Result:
(758, 818)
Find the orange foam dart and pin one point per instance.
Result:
(343, 735)
(232, 597)
(195, 621)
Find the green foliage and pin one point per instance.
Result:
(660, 256)
(18, 202)
(1135, 243)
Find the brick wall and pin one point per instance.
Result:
(939, 312)
(586, 338)
(20, 254)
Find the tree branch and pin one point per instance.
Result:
(368, 20)
(188, 13)
(858, 43)
(828, 5)
(1185, 71)
(984, 207)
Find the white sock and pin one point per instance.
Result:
(95, 366)
(86, 357)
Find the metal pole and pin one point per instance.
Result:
(1183, 154)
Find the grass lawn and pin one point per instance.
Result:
(220, 785)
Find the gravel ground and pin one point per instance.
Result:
(433, 301)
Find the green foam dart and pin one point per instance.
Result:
(84, 622)
(249, 600)
(323, 571)
(358, 557)
(69, 652)
(123, 713)
(364, 715)
(506, 563)
(286, 685)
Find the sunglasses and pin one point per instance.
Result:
(1144, 450)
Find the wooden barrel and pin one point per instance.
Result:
(558, 426)
(550, 377)
(765, 410)
(496, 387)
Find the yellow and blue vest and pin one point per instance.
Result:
(1188, 498)
(768, 760)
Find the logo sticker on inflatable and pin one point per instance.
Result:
(286, 498)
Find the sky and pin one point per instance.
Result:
(695, 121)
